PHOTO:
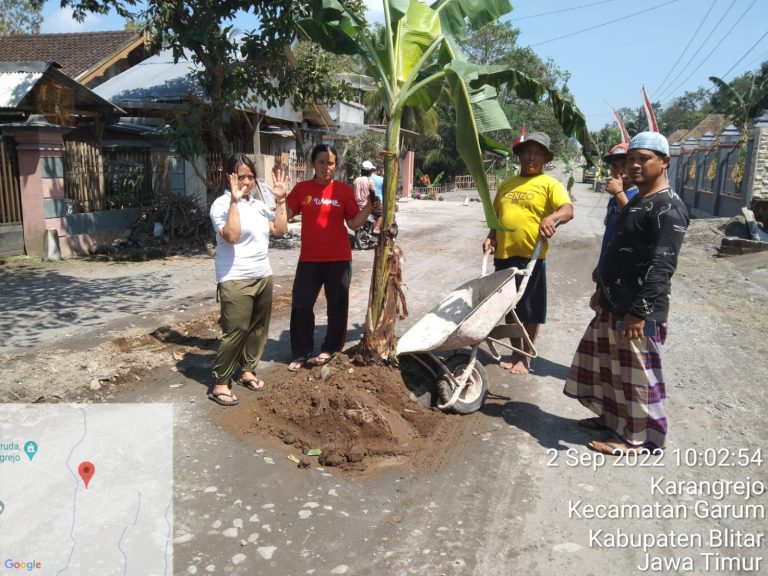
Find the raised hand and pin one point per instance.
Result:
(279, 182)
(235, 188)
(615, 186)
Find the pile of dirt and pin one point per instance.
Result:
(359, 417)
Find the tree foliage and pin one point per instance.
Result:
(19, 17)
(743, 99)
(418, 61)
(238, 67)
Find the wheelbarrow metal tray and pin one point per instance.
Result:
(465, 317)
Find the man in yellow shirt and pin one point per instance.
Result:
(528, 206)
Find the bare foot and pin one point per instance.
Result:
(518, 367)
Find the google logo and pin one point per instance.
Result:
(28, 566)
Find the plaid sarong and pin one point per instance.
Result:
(621, 380)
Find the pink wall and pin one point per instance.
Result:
(34, 142)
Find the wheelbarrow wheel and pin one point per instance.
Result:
(474, 394)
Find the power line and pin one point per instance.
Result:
(745, 55)
(604, 23)
(562, 10)
(716, 46)
(686, 47)
(762, 58)
(662, 93)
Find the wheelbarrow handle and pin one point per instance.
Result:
(484, 267)
(534, 256)
(540, 244)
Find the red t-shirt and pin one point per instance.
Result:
(323, 210)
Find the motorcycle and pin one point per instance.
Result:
(365, 239)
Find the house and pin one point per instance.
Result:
(90, 58)
(108, 151)
(162, 88)
(39, 106)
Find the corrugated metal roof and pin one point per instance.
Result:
(159, 80)
(14, 86)
(156, 79)
(17, 79)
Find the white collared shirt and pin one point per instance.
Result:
(247, 258)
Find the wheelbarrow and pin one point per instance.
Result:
(472, 314)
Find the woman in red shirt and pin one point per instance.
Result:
(325, 206)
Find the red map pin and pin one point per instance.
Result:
(86, 470)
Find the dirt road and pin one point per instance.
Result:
(516, 493)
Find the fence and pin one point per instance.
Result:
(10, 193)
(711, 175)
(466, 182)
(109, 179)
(84, 177)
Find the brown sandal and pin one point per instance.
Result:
(255, 384)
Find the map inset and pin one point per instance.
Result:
(86, 489)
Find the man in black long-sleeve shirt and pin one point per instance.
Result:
(616, 371)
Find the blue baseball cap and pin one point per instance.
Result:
(650, 141)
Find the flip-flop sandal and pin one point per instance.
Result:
(297, 364)
(216, 397)
(253, 384)
(591, 423)
(321, 359)
(611, 447)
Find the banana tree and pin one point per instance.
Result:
(745, 106)
(415, 61)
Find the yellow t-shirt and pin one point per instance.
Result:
(521, 202)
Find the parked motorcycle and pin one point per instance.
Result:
(365, 239)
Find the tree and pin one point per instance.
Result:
(19, 17)
(237, 67)
(743, 100)
(685, 111)
(496, 44)
(415, 62)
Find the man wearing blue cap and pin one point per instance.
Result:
(616, 371)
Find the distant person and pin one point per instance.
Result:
(378, 183)
(616, 371)
(528, 206)
(363, 185)
(620, 189)
(243, 223)
(325, 258)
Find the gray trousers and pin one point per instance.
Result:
(246, 308)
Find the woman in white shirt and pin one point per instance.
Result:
(243, 223)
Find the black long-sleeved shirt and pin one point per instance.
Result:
(640, 260)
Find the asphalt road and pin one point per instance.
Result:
(513, 494)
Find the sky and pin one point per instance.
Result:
(611, 48)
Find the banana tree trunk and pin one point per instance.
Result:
(386, 302)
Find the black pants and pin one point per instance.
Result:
(334, 277)
(532, 307)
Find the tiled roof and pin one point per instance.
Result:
(714, 123)
(76, 53)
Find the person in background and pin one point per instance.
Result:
(243, 223)
(325, 205)
(621, 191)
(378, 183)
(529, 206)
(616, 371)
(363, 185)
